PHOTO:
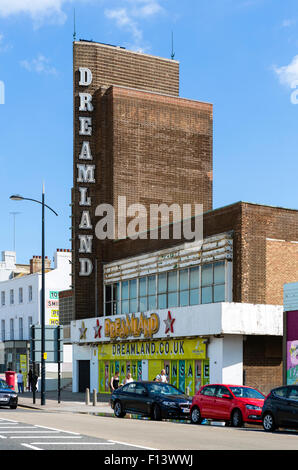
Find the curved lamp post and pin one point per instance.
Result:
(17, 197)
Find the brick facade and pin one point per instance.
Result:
(262, 362)
(147, 144)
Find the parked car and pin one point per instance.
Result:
(154, 399)
(234, 404)
(8, 397)
(281, 408)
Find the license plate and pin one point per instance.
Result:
(185, 410)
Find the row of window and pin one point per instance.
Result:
(191, 286)
(12, 296)
(12, 329)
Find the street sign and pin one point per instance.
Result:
(53, 344)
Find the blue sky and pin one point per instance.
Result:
(241, 55)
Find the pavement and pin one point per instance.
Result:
(69, 402)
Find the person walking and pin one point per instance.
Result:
(30, 378)
(115, 382)
(128, 379)
(162, 377)
(34, 381)
(20, 382)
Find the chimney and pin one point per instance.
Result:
(35, 264)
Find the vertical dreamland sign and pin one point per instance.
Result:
(290, 335)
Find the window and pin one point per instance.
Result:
(222, 391)
(190, 286)
(133, 296)
(3, 298)
(20, 295)
(162, 290)
(293, 394)
(30, 294)
(112, 299)
(21, 332)
(173, 289)
(194, 286)
(143, 294)
(11, 323)
(183, 287)
(30, 322)
(130, 388)
(151, 292)
(140, 389)
(11, 296)
(281, 392)
(125, 297)
(213, 283)
(209, 391)
(2, 330)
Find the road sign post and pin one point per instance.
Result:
(51, 353)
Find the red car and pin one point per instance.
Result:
(234, 404)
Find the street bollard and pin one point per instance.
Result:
(94, 397)
(87, 395)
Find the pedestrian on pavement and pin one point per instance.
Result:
(20, 382)
(30, 378)
(115, 382)
(34, 381)
(128, 379)
(162, 377)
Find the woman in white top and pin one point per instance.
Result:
(128, 379)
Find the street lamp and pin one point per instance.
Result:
(17, 197)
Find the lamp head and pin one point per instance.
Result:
(16, 197)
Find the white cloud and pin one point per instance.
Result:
(288, 74)
(3, 45)
(38, 10)
(40, 65)
(129, 15)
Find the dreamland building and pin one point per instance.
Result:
(206, 311)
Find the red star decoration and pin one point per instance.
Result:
(97, 330)
(169, 323)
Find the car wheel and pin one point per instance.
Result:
(268, 422)
(13, 407)
(119, 413)
(237, 420)
(195, 416)
(156, 413)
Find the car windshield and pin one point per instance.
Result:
(3, 384)
(163, 389)
(246, 392)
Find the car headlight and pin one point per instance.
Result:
(253, 407)
(169, 403)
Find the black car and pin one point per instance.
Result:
(154, 399)
(8, 397)
(281, 408)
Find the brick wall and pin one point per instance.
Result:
(118, 66)
(262, 362)
(255, 278)
(281, 268)
(162, 149)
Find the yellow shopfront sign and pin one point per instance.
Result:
(162, 349)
